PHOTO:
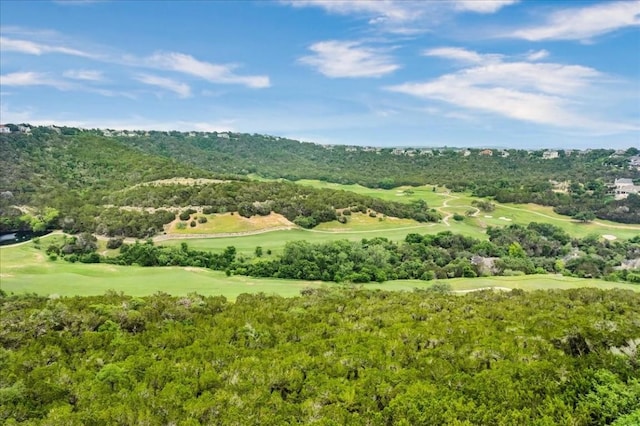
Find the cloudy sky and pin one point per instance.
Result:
(502, 73)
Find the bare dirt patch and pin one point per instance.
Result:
(609, 237)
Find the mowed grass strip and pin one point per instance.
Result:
(25, 269)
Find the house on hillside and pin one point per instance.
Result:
(624, 187)
(634, 162)
(550, 155)
(466, 153)
(486, 152)
(4, 129)
(504, 154)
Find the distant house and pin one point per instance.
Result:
(634, 162)
(24, 129)
(4, 129)
(398, 151)
(550, 155)
(486, 152)
(624, 187)
(428, 152)
(504, 154)
(466, 153)
(223, 135)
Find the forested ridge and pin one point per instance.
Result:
(331, 357)
(66, 167)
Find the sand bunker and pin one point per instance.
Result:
(488, 217)
(504, 218)
(609, 237)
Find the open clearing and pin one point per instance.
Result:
(227, 223)
(25, 269)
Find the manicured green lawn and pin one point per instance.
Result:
(25, 269)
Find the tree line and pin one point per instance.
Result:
(512, 250)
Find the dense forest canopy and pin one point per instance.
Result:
(330, 357)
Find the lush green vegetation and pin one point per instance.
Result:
(512, 250)
(303, 205)
(27, 269)
(520, 177)
(71, 170)
(328, 357)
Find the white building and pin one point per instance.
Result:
(624, 187)
(4, 129)
(550, 155)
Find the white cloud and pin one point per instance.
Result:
(482, 6)
(537, 55)
(181, 89)
(543, 93)
(402, 16)
(86, 75)
(584, 23)
(34, 48)
(348, 59)
(214, 73)
(167, 61)
(462, 55)
(30, 78)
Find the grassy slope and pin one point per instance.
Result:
(521, 214)
(25, 269)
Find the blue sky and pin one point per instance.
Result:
(519, 74)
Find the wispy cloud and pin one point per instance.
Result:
(214, 73)
(482, 6)
(544, 93)
(86, 75)
(164, 61)
(402, 16)
(584, 23)
(537, 55)
(181, 89)
(31, 78)
(34, 48)
(349, 59)
(462, 55)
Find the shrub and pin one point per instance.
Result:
(181, 225)
(185, 215)
(373, 214)
(192, 224)
(202, 219)
(115, 243)
(458, 217)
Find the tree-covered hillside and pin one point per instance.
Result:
(51, 164)
(348, 357)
